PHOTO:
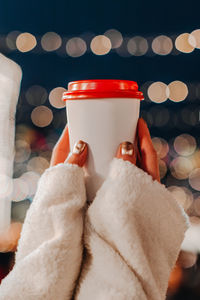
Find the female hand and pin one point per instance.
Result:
(61, 152)
(142, 152)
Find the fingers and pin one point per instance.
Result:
(126, 151)
(61, 149)
(147, 159)
(78, 155)
(9, 238)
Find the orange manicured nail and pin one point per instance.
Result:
(127, 148)
(79, 147)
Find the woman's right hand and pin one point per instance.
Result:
(61, 151)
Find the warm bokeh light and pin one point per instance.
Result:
(51, 41)
(181, 167)
(162, 168)
(194, 38)
(185, 144)
(162, 45)
(22, 151)
(41, 116)
(137, 46)
(161, 146)
(178, 91)
(37, 164)
(25, 42)
(100, 45)
(20, 190)
(115, 37)
(182, 195)
(55, 97)
(194, 179)
(76, 47)
(183, 43)
(31, 179)
(158, 92)
(11, 39)
(36, 95)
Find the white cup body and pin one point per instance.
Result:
(103, 124)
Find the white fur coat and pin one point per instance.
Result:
(122, 247)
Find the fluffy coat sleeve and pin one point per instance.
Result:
(133, 233)
(49, 253)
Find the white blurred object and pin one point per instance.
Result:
(10, 79)
(191, 242)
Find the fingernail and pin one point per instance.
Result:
(79, 147)
(127, 148)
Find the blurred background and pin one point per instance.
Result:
(156, 43)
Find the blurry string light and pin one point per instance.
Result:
(55, 97)
(158, 92)
(162, 45)
(183, 196)
(37, 164)
(41, 116)
(115, 37)
(137, 46)
(194, 179)
(181, 167)
(11, 39)
(100, 45)
(36, 95)
(161, 146)
(194, 39)
(178, 91)
(51, 41)
(76, 47)
(25, 42)
(22, 151)
(185, 144)
(184, 42)
(162, 168)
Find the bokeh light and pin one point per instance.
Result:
(182, 195)
(194, 179)
(115, 37)
(100, 45)
(51, 41)
(11, 39)
(41, 116)
(31, 179)
(20, 190)
(181, 167)
(22, 151)
(25, 42)
(185, 144)
(158, 92)
(178, 91)
(36, 95)
(194, 38)
(162, 45)
(183, 43)
(162, 168)
(76, 47)
(137, 46)
(55, 97)
(159, 116)
(37, 164)
(161, 146)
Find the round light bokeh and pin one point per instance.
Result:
(162, 168)
(20, 190)
(100, 45)
(194, 179)
(185, 144)
(22, 151)
(115, 37)
(41, 116)
(161, 147)
(37, 164)
(55, 97)
(137, 46)
(194, 38)
(181, 167)
(178, 91)
(25, 42)
(183, 43)
(182, 195)
(162, 45)
(76, 47)
(11, 39)
(158, 92)
(51, 41)
(36, 95)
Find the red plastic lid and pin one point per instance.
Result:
(87, 89)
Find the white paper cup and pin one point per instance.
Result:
(103, 123)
